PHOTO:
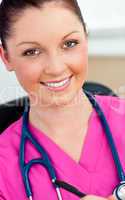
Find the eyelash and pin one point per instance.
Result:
(72, 41)
(25, 53)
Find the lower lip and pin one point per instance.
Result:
(61, 88)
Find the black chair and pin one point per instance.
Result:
(98, 88)
(12, 110)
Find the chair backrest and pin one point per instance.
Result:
(13, 110)
(98, 88)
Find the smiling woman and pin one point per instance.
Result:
(45, 43)
(46, 54)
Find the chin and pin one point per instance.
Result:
(67, 100)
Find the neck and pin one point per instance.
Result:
(60, 119)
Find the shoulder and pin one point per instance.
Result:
(113, 105)
(114, 110)
(9, 152)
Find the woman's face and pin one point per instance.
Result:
(48, 45)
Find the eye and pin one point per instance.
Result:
(31, 52)
(71, 43)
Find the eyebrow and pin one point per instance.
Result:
(33, 42)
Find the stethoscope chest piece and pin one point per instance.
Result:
(119, 191)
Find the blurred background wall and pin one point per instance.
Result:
(109, 71)
(106, 26)
(107, 57)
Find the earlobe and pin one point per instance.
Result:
(5, 59)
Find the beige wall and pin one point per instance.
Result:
(109, 71)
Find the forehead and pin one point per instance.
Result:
(52, 18)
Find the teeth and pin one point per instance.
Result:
(57, 84)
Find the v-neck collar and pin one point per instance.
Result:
(54, 148)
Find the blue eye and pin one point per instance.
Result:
(71, 43)
(31, 52)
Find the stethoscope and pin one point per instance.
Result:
(45, 160)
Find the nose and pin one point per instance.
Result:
(55, 66)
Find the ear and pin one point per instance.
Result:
(5, 58)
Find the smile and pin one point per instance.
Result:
(57, 86)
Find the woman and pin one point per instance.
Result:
(45, 43)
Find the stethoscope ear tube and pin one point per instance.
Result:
(108, 135)
(119, 191)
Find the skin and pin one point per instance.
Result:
(93, 197)
(54, 60)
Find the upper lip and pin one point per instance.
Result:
(57, 81)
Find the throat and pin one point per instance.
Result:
(66, 129)
(63, 122)
(70, 139)
(73, 144)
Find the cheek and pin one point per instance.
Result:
(27, 75)
(80, 61)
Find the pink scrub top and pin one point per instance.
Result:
(95, 173)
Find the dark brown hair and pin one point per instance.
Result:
(11, 10)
